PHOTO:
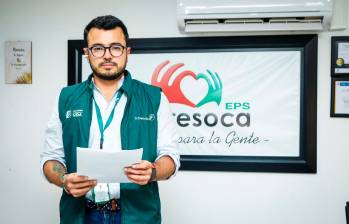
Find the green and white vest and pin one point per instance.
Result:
(139, 204)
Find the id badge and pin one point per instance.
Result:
(101, 193)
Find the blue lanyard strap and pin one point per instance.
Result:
(110, 119)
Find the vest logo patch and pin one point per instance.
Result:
(73, 113)
(151, 117)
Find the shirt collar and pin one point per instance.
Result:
(125, 84)
(94, 87)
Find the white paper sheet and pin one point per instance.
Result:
(104, 165)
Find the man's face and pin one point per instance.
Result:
(107, 67)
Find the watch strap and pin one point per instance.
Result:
(153, 173)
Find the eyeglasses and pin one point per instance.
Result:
(115, 50)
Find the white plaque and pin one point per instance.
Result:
(18, 62)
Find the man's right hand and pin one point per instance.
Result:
(77, 185)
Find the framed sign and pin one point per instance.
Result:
(240, 103)
(340, 97)
(340, 56)
(18, 62)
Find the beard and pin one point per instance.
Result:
(107, 75)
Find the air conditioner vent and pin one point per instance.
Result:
(202, 21)
(243, 21)
(236, 21)
(296, 20)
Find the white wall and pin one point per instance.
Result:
(192, 197)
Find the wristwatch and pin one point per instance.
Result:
(153, 173)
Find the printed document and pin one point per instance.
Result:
(106, 166)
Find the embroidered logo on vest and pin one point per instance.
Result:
(73, 113)
(151, 117)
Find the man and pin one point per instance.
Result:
(103, 112)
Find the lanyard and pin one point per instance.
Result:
(111, 116)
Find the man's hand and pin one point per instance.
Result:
(77, 185)
(139, 173)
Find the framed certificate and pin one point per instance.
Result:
(340, 56)
(18, 62)
(340, 97)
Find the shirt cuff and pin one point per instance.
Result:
(175, 158)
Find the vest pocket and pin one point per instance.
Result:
(140, 204)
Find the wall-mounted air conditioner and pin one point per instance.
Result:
(253, 15)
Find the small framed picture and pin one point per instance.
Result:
(340, 56)
(340, 97)
(18, 62)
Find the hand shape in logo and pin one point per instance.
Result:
(214, 92)
(173, 92)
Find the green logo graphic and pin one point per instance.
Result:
(214, 93)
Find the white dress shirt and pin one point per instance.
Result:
(166, 139)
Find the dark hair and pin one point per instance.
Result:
(108, 22)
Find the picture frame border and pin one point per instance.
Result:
(306, 162)
(335, 40)
(333, 96)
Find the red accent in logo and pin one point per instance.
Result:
(173, 92)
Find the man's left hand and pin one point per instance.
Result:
(139, 173)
